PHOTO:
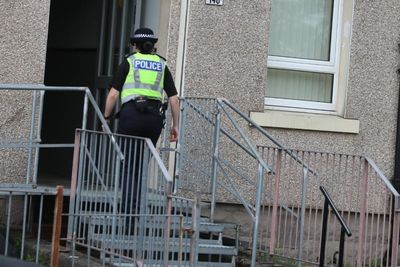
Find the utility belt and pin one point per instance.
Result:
(146, 105)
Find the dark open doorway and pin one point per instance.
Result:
(86, 41)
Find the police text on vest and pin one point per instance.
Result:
(148, 65)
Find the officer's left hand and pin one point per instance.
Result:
(108, 124)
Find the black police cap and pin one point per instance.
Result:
(142, 35)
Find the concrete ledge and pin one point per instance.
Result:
(305, 121)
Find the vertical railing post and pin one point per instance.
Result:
(302, 216)
(39, 233)
(38, 137)
(85, 111)
(195, 231)
(343, 230)
(118, 163)
(341, 246)
(31, 133)
(57, 226)
(74, 178)
(323, 234)
(180, 144)
(145, 154)
(259, 198)
(75, 197)
(214, 160)
(274, 219)
(363, 210)
(395, 235)
(167, 227)
(8, 224)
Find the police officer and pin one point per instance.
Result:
(140, 81)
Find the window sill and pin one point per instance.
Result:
(304, 121)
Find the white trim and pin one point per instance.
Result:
(306, 121)
(311, 105)
(303, 61)
(301, 67)
(181, 51)
(317, 66)
(302, 110)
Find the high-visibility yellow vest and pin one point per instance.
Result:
(145, 77)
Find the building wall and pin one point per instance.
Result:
(226, 55)
(23, 40)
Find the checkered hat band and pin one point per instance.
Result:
(144, 36)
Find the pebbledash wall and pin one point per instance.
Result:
(226, 56)
(23, 40)
(223, 51)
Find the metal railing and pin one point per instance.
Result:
(279, 188)
(124, 209)
(364, 197)
(100, 170)
(344, 228)
(216, 155)
(25, 218)
(29, 106)
(107, 190)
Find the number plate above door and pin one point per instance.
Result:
(215, 2)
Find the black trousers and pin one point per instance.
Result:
(135, 123)
(145, 124)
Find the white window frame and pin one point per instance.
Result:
(307, 65)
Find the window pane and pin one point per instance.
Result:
(299, 85)
(301, 29)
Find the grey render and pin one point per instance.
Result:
(227, 53)
(226, 56)
(23, 40)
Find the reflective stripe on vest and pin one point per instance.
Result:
(145, 77)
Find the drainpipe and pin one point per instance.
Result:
(180, 68)
(396, 178)
(181, 53)
(396, 175)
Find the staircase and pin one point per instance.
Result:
(164, 229)
(210, 248)
(215, 161)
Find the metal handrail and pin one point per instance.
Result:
(384, 179)
(157, 190)
(88, 94)
(34, 138)
(152, 149)
(154, 153)
(344, 230)
(225, 132)
(266, 134)
(252, 148)
(224, 107)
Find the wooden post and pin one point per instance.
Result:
(57, 226)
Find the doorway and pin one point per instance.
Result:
(86, 42)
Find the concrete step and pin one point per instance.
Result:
(175, 264)
(159, 223)
(172, 263)
(126, 243)
(153, 199)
